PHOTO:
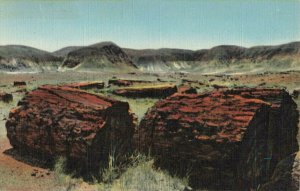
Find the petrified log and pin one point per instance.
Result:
(155, 91)
(230, 139)
(54, 121)
(5, 97)
(19, 83)
(86, 85)
(123, 82)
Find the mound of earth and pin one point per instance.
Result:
(65, 51)
(219, 58)
(24, 58)
(230, 139)
(54, 121)
(105, 55)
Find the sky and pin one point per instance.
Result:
(189, 24)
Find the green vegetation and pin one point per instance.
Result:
(137, 106)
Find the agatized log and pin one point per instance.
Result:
(54, 121)
(227, 139)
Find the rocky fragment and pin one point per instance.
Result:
(186, 89)
(6, 97)
(21, 90)
(54, 121)
(229, 139)
(86, 85)
(296, 93)
(19, 83)
(188, 81)
(216, 86)
(155, 91)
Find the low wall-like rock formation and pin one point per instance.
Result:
(86, 85)
(230, 139)
(124, 82)
(155, 91)
(54, 121)
(6, 97)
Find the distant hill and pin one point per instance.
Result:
(24, 58)
(220, 58)
(109, 57)
(101, 56)
(64, 51)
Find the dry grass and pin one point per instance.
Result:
(138, 174)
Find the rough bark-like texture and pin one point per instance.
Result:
(286, 175)
(60, 121)
(86, 85)
(159, 91)
(5, 97)
(230, 139)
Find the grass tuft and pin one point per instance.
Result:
(138, 173)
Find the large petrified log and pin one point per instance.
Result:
(155, 91)
(230, 139)
(54, 121)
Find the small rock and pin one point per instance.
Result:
(6, 97)
(19, 83)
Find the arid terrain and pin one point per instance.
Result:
(149, 95)
(102, 117)
(23, 173)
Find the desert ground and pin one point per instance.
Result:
(20, 173)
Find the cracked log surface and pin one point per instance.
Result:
(57, 121)
(227, 139)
